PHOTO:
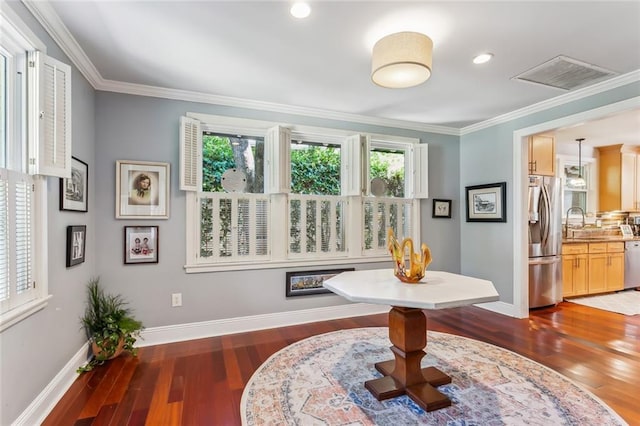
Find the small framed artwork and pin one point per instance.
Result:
(441, 208)
(76, 243)
(487, 203)
(140, 244)
(142, 190)
(74, 190)
(310, 282)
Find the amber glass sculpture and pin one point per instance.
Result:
(408, 266)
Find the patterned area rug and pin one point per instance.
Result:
(319, 381)
(624, 302)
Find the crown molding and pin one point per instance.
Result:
(46, 15)
(185, 95)
(612, 83)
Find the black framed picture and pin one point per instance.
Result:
(303, 283)
(441, 208)
(487, 203)
(76, 243)
(141, 244)
(74, 190)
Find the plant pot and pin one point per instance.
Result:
(97, 351)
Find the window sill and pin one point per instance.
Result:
(16, 315)
(236, 266)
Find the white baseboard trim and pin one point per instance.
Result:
(40, 407)
(204, 329)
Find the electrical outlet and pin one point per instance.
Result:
(176, 300)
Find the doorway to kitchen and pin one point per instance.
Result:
(520, 193)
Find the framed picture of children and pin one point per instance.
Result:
(140, 244)
(142, 190)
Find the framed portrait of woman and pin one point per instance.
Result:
(142, 190)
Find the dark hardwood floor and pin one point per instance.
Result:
(200, 382)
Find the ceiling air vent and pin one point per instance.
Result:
(565, 73)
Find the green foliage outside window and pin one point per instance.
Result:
(316, 171)
(217, 157)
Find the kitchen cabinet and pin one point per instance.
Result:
(592, 268)
(630, 181)
(542, 155)
(574, 269)
(606, 267)
(619, 178)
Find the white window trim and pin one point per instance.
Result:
(15, 29)
(280, 259)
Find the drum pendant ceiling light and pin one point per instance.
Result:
(401, 60)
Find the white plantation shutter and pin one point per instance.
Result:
(50, 114)
(16, 239)
(4, 237)
(277, 167)
(380, 214)
(354, 165)
(234, 227)
(420, 171)
(190, 154)
(23, 199)
(316, 226)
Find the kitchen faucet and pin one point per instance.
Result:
(566, 221)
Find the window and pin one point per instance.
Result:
(316, 208)
(35, 131)
(244, 154)
(385, 206)
(575, 196)
(296, 193)
(387, 168)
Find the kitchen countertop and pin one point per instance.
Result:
(598, 240)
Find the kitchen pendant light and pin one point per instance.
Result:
(578, 182)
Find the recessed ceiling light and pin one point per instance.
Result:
(482, 58)
(300, 10)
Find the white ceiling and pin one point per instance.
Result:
(257, 51)
(623, 128)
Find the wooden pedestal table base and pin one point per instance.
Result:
(408, 333)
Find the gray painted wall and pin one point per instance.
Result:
(33, 351)
(141, 128)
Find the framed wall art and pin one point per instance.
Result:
(74, 190)
(441, 208)
(140, 244)
(303, 283)
(487, 203)
(76, 244)
(142, 190)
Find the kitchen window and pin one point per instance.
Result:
(575, 196)
(311, 201)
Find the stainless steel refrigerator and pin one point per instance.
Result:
(545, 241)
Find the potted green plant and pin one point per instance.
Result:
(109, 325)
